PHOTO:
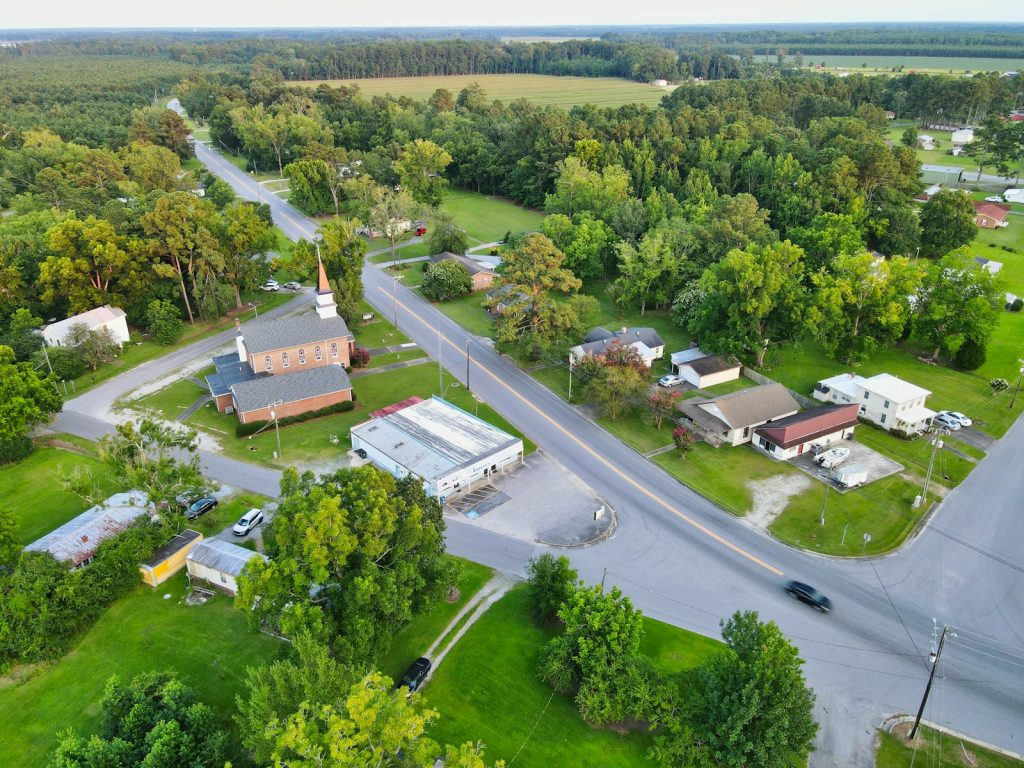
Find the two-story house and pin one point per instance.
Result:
(884, 399)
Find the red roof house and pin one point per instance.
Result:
(990, 215)
(785, 438)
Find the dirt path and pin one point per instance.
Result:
(772, 495)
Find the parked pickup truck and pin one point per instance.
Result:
(832, 458)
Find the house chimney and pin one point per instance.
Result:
(624, 329)
(238, 325)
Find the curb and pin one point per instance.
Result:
(893, 720)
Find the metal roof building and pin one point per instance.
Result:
(447, 448)
(219, 562)
(77, 540)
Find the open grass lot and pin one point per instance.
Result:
(208, 646)
(171, 401)
(635, 432)
(309, 444)
(543, 90)
(30, 488)
(487, 689)
(377, 332)
(921, 64)
(936, 750)
(407, 252)
(413, 641)
(487, 219)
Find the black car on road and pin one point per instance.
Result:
(200, 507)
(808, 594)
(415, 675)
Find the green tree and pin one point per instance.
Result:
(151, 457)
(446, 234)
(342, 251)
(442, 100)
(579, 189)
(617, 390)
(151, 168)
(909, 137)
(26, 400)
(355, 556)
(550, 582)
(645, 272)
(947, 223)
(829, 236)
(95, 345)
(752, 297)
(164, 321)
(445, 280)
(389, 214)
(420, 166)
(309, 185)
(10, 547)
(154, 720)
(957, 302)
(862, 305)
(66, 363)
(752, 707)
(220, 193)
(244, 237)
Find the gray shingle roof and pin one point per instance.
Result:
(702, 366)
(263, 336)
(289, 387)
(473, 267)
(648, 336)
(744, 408)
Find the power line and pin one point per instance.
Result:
(895, 609)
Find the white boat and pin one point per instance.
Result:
(832, 457)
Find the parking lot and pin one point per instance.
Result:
(876, 465)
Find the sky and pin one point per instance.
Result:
(237, 14)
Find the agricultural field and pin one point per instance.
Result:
(543, 90)
(208, 646)
(920, 64)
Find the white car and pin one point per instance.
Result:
(964, 420)
(946, 421)
(271, 285)
(247, 522)
(670, 380)
(994, 199)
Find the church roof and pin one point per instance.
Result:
(264, 336)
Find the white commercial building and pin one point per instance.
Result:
(447, 448)
(101, 317)
(885, 400)
(219, 563)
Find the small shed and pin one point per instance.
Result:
(170, 558)
(219, 562)
(703, 370)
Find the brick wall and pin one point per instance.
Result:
(296, 407)
(482, 281)
(277, 357)
(223, 401)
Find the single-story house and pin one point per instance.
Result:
(598, 341)
(444, 446)
(928, 193)
(732, 418)
(299, 392)
(884, 399)
(890, 115)
(791, 436)
(924, 141)
(703, 370)
(483, 277)
(660, 81)
(505, 296)
(106, 316)
(990, 266)
(990, 215)
(170, 558)
(77, 540)
(219, 563)
(962, 137)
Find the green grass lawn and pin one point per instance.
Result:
(636, 433)
(542, 90)
(171, 401)
(413, 353)
(30, 488)
(378, 332)
(937, 750)
(208, 646)
(227, 513)
(488, 689)
(950, 469)
(487, 219)
(408, 252)
(468, 311)
(1005, 245)
(413, 641)
(884, 64)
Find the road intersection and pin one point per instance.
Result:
(683, 560)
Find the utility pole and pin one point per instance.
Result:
(467, 366)
(824, 501)
(603, 575)
(570, 377)
(46, 355)
(936, 447)
(394, 296)
(277, 424)
(440, 370)
(928, 687)
(1017, 388)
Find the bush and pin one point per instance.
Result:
(164, 321)
(15, 449)
(1017, 304)
(66, 362)
(549, 584)
(970, 356)
(252, 427)
(360, 357)
(445, 280)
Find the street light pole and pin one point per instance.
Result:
(1017, 388)
(277, 424)
(570, 377)
(467, 366)
(440, 370)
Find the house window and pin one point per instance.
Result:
(268, 363)
(882, 420)
(334, 349)
(746, 431)
(302, 357)
(867, 395)
(886, 404)
(285, 362)
(316, 353)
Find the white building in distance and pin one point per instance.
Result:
(101, 317)
(447, 448)
(885, 400)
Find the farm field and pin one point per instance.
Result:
(543, 90)
(933, 64)
(488, 689)
(208, 646)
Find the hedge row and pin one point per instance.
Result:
(252, 427)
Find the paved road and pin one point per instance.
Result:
(683, 560)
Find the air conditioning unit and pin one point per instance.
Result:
(230, 409)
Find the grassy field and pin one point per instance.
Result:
(31, 491)
(936, 750)
(413, 641)
(208, 646)
(487, 689)
(543, 90)
(487, 219)
(885, 64)
(171, 401)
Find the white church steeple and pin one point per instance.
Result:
(325, 304)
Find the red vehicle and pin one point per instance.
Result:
(421, 231)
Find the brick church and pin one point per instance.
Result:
(289, 366)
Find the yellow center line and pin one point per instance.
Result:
(678, 513)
